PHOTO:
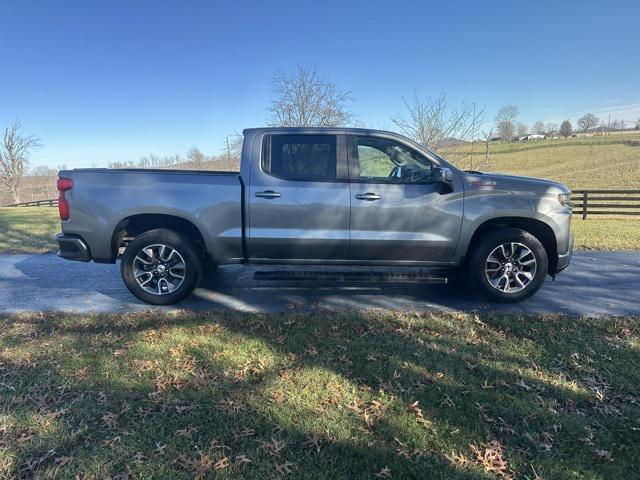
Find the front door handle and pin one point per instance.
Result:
(369, 196)
(268, 194)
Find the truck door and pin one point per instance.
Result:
(398, 215)
(299, 199)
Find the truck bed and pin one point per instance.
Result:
(102, 199)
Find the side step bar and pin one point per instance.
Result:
(347, 277)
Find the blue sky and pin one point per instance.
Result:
(101, 81)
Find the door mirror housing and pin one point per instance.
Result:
(442, 175)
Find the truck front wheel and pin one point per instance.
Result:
(161, 267)
(508, 265)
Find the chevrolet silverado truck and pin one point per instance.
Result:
(317, 196)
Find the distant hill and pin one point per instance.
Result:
(581, 163)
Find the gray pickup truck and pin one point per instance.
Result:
(317, 196)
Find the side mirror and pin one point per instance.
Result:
(442, 175)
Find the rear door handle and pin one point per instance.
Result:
(368, 196)
(267, 194)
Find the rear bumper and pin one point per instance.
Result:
(565, 259)
(72, 247)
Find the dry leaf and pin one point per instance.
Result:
(222, 463)
(242, 459)
(110, 419)
(274, 447)
(384, 473)
(491, 457)
(285, 468)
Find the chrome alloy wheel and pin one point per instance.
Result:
(159, 269)
(510, 267)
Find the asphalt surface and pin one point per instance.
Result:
(596, 283)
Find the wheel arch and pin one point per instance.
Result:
(133, 225)
(538, 228)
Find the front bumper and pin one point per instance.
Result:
(72, 247)
(565, 258)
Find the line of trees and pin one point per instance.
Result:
(508, 127)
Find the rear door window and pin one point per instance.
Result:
(301, 157)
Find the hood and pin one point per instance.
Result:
(503, 181)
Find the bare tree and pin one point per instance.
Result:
(552, 128)
(195, 156)
(522, 129)
(435, 124)
(588, 121)
(638, 124)
(505, 122)
(565, 128)
(538, 128)
(230, 159)
(304, 99)
(14, 158)
(617, 124)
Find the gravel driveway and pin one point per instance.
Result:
(596, 283)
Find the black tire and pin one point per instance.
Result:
(491, 241)
(184, 248)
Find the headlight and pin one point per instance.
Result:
(565, 199)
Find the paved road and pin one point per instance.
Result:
(596, 283)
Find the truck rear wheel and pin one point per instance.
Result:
(161, 267)
(508, 265)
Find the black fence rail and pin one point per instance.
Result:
(53, 202)
(605, 202)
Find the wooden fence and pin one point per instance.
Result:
(53, 202)
(585, 202)
(605, 202)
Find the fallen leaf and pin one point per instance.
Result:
(384, 473)
(222, 463)
(242, 459)
(284, 468)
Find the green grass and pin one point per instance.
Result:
(606, 233)
(324, 395)
(28, 229)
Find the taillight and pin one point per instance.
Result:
(64, 184)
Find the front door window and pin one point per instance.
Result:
(385, 161)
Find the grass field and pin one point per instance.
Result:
(28, 229)
(324, 395)
(607, 233)
(33, 230)
(581, 163)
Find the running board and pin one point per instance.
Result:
(347, 277)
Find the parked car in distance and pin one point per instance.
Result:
(317, 196)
